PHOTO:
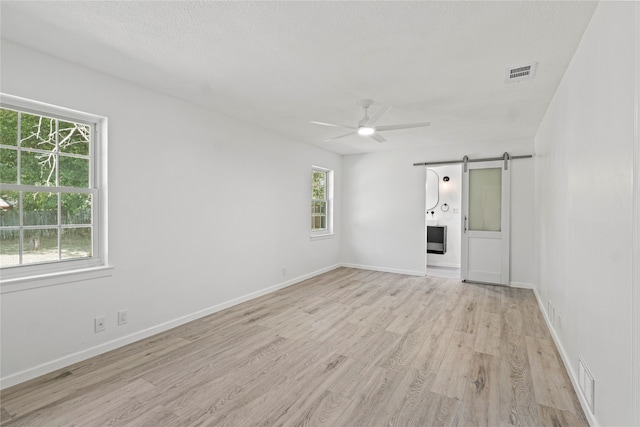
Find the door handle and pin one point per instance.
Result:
(465, 223)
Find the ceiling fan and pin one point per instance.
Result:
(366, 125)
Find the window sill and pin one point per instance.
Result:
(322, 236)
(51, 279)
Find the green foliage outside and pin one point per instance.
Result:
(318, 204)
(318, 185)
(41, 167)
(51, 153)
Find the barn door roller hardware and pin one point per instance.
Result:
(506, 157)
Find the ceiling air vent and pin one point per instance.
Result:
(520, 74)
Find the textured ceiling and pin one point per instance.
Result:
(281, 64)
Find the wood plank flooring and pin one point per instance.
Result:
(347, 348)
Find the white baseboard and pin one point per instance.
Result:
(45, 368)
(567, 364)
(385, 269)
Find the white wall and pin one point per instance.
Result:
(239, 213)
(523, 230)
(451, 194)
(584, 172)
(384, 201)
(383, 212)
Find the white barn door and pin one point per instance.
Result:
(485, 222)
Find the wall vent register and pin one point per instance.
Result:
(519, 74)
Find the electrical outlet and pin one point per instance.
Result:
(100, 324)
(123, 317)
(284, 271)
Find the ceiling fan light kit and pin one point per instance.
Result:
(366, 125)
(366, 131)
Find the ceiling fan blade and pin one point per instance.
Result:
(378, 138)
(332, 125)
(404, 126)
(341, 136)
(383, 109)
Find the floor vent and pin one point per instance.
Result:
(520, 74)
(587, 385)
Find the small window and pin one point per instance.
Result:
(51, 189)
(321, 201)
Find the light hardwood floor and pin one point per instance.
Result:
(347, 348)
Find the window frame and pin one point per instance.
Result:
(328, 231)
(26, 276)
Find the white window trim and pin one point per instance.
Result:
(24, 277)
(328, 232)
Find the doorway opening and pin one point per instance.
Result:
(443, 221)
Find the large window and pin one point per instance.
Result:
(321, 201)
(50, 190)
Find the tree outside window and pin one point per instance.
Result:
(321, 195)
(47, 196)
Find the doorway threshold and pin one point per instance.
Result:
(446, 272)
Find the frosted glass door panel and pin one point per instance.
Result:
(485, 196)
